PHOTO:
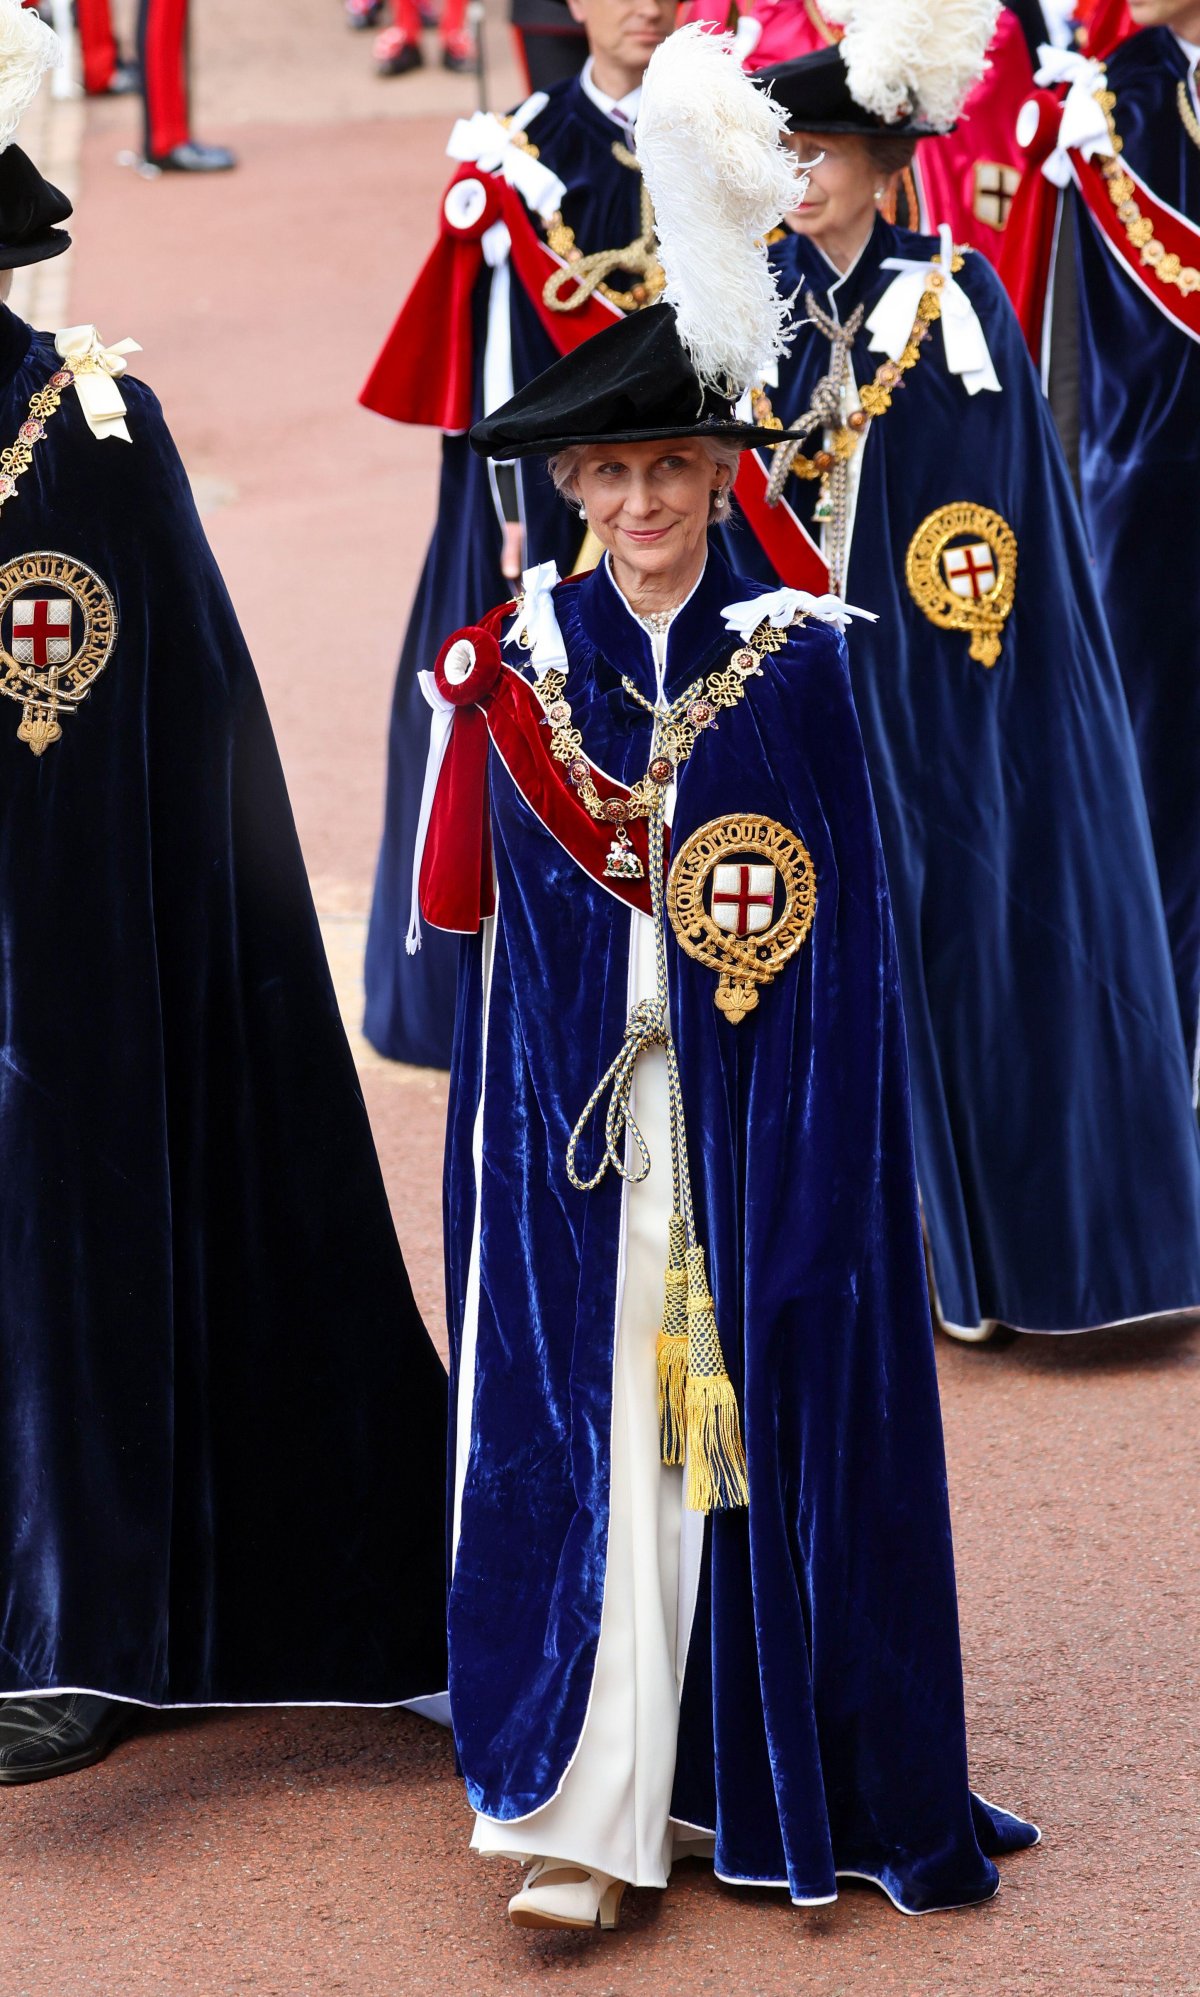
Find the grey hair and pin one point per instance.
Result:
(563, 468)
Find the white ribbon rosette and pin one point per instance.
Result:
(892, 321)
(782, 607)
(1084, 128)
(96, 369)
(536, 622)
(481, 140)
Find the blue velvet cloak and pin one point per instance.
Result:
(822, 1720)
(410, 1000)
(1139, 418)
(1056, 1149)
(221, 1421)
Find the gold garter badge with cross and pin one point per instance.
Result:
(961, 568)
(58, 626)
(741, 899)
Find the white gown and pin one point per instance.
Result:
(612, 1812)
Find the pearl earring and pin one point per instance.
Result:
(879, 193)
(583, 513)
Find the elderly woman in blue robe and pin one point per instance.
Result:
(703, 1593)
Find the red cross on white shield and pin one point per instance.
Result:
(970, 569)
(743, 897)
(41, 631)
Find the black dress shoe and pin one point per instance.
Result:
(192, 157)
(125, 81)
(44, 1737)
(396, 57)
(459, 62)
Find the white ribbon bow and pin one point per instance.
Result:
(482, 141)
(891, 323)
(536, 620)
(781, 607)
(95, 367)
(1060, 17)
(1084, 128)
(441, 721)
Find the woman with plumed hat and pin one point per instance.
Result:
(703, 1591)
(920, 473)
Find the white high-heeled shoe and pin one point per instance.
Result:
(557, 1894)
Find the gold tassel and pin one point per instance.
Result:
(673, 1347)
(716, 1457)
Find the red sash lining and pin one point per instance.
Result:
(425, 368)
(456, 890)
(1174, 231)
(780, 532)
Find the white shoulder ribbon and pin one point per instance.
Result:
(95, 368)
(536, 620)
(1084, 128)
(891, 323)
(782, 607)
(441, 721)
(481, 140)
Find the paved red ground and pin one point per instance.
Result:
(298, 1852)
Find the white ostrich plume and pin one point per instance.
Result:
(719, 176)
(28, 48)
(919, 56)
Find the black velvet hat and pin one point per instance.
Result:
(815, 92)
(631, 383)
(29, 209)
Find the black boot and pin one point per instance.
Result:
(192, 157)
(55, 1736)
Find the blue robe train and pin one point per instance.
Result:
(221, 1420)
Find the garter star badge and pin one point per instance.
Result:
(741, 898)
(58, 626)
(961, 568)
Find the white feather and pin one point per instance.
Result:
(720, 178)
(914, 56)
(28, 48)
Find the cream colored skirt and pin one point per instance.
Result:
(612, 1812)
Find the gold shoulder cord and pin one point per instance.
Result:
(566, 290)
(1187, 114)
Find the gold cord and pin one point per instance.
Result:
(1139, 229)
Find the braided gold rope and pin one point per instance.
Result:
(566, 290)
(698, 1412)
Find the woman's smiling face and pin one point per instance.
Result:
(649, 504)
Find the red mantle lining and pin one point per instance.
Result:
(1174, 231)
(456, 885)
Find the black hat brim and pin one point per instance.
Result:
(14, 256)
(815, 93)
(743, 435)
(630, 384)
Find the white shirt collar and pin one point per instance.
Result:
(1190, 49)
(622, 110)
